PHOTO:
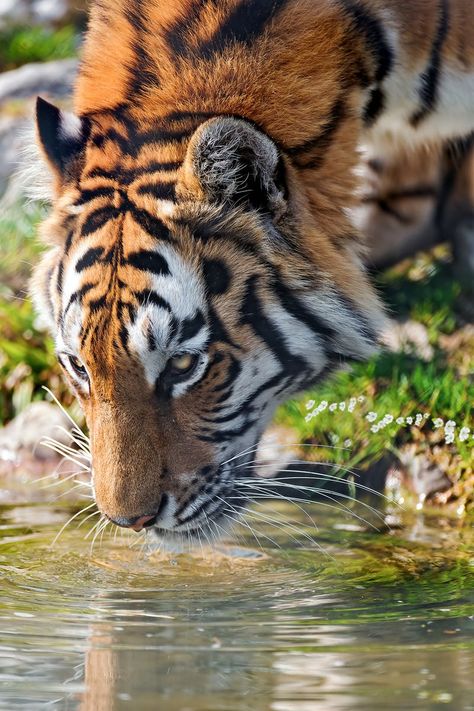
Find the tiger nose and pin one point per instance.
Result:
(136, 524)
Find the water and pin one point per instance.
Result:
(378, 621)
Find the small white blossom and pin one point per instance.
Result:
(409, 420)
(361, 398)
(450, 425)
(464, 434)
(371, 416)
(323, 405)
(400, 420)
(352, 404)
(347, 443)
(342, 406)
(388, 419)
(437, 423)
(449, 437)
(426, 415)
(333, 407)
(375, 428)
(309, 417)
(418, 419)
(310, 404)
(334, 438)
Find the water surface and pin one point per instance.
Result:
(373, 621)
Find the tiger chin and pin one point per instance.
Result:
(202, 265)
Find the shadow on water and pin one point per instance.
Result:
(367, 621)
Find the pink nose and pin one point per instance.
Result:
(141, 522)
(136, 524)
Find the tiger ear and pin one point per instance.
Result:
(62, 137)
(231, 161)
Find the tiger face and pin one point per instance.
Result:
(189, 293)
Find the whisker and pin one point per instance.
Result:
(70, 521)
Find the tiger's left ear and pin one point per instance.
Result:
(62, 137)
(231, 161)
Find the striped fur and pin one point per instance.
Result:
(203, 205)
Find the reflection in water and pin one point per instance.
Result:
(383, 622)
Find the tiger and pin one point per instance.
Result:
(203, 262)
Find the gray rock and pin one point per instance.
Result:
(23, 435)
(52, 78)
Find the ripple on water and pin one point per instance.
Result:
(370, 621)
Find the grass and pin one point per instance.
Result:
(19, 45)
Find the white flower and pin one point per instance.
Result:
(334, 438)
(426, 415)
(450, 425)
(388, 419)
(352, 404)
(409, 420)
(464, 434)
(342, 406)
(347, 443)
(418, 419)
(449, 437)
(333, 407)
(322, 405)
(310, 404)
(375, 428)
(371, 416)
(361, 398)
(437, 423)
(400, 420)
(309, 417)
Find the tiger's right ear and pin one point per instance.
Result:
(62, 137)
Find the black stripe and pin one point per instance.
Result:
(143, 70)
(148, 261)
(253, 314)
(233, 373)
(79, 295)
(299, 311)
(190, 327)
(97, 304)
(431, 75)
(146, 297)
(87, 195)
(372, 29)
(91, 257)
(244, 25)
(151, 224)
(323, 140)
(216, 276)
(160, 191)
(125, 176)
(97, 219)
(385, 207)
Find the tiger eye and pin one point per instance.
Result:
(183, 363)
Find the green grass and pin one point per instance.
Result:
(19, 45)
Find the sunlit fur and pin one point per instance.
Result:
(203, 194)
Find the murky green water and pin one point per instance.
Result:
(379, 621)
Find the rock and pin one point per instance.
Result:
(52, 78)
(408, 337)
(23, 435)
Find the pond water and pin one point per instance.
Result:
(370, 621)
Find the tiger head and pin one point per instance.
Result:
(189, 292)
